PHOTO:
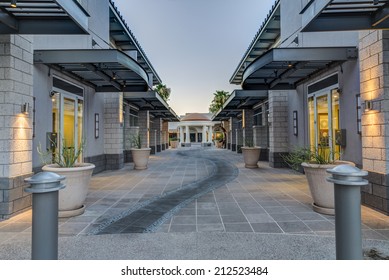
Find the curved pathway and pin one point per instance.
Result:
(147, 216)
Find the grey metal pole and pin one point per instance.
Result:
(44, 189)
(347, 181)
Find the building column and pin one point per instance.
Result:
(374, 78)
(234, 128)
(16, 89)
(182, 141)
(187, 136)
(247, 123)
(164, 135)
(113, 130)
(144, 128)
(278, 127)
(203, 140)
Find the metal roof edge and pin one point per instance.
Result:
(276, 5)
(132, 36)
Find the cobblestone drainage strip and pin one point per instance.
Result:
(149, 215)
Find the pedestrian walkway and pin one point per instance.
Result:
(192, 195)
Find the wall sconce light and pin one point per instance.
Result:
(368, 105)
(113, 76)
(25, 108)
(13, 4)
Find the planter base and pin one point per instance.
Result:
(71, 213)
(140, 167)
(250, 166)
(323, 210)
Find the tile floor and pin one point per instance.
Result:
(263, 200)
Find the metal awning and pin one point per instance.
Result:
(265, 38)
(153, 102)
(336, 15)
(43, 17)
(239, 100)
(105, 70)
(285, 68)
(125, 40)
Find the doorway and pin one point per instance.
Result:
(323, 110)
(67, 120)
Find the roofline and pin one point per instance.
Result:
(256, 37)
(132, 36)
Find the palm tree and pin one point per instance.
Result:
(163, 91)
(219, 98)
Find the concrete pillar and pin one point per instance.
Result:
(181, 135)
(164, 135)
(247, 124)
(374, 78)
(278, 127)
(144, 128)
(234, 127)
(187, 135)
(16, 89)
(159, 136)
(204, 140)
(113, 130)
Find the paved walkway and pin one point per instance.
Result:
(198, 204)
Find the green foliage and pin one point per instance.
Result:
(136, 141)
(316, 155)
(163, 91)
(248, 143)
(66, 157)
(295, 158)
(219, 98)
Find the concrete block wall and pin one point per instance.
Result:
(16, 69)
(144, 128)
(165, 135)
(248, 137)
(113, 130)
(155, 130)
(278, 127)
(374, 79)
(234, 131)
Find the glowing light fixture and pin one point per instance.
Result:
(13, 3)
(25, 108)
(368, 105)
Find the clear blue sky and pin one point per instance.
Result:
(194, 45)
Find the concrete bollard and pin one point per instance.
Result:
(347, 181)
(44, 188)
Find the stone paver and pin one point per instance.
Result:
(263, 200)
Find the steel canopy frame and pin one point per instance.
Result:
(43, 17)
(126, 41)
(153, 102)
(345, 15)
(285, 68)
(238, 101)
(265, 38)
(105, 70)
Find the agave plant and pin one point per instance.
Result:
(66, 156)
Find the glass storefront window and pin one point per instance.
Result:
(323, 111)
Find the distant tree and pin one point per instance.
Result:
(163, 91)
(219, 98)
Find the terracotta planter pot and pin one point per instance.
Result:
(322, 192)
(251, 156)
(72, 198)
(140, 158)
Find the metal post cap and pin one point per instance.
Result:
(44, 182)
(345, 174)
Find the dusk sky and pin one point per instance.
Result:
(194, 45)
